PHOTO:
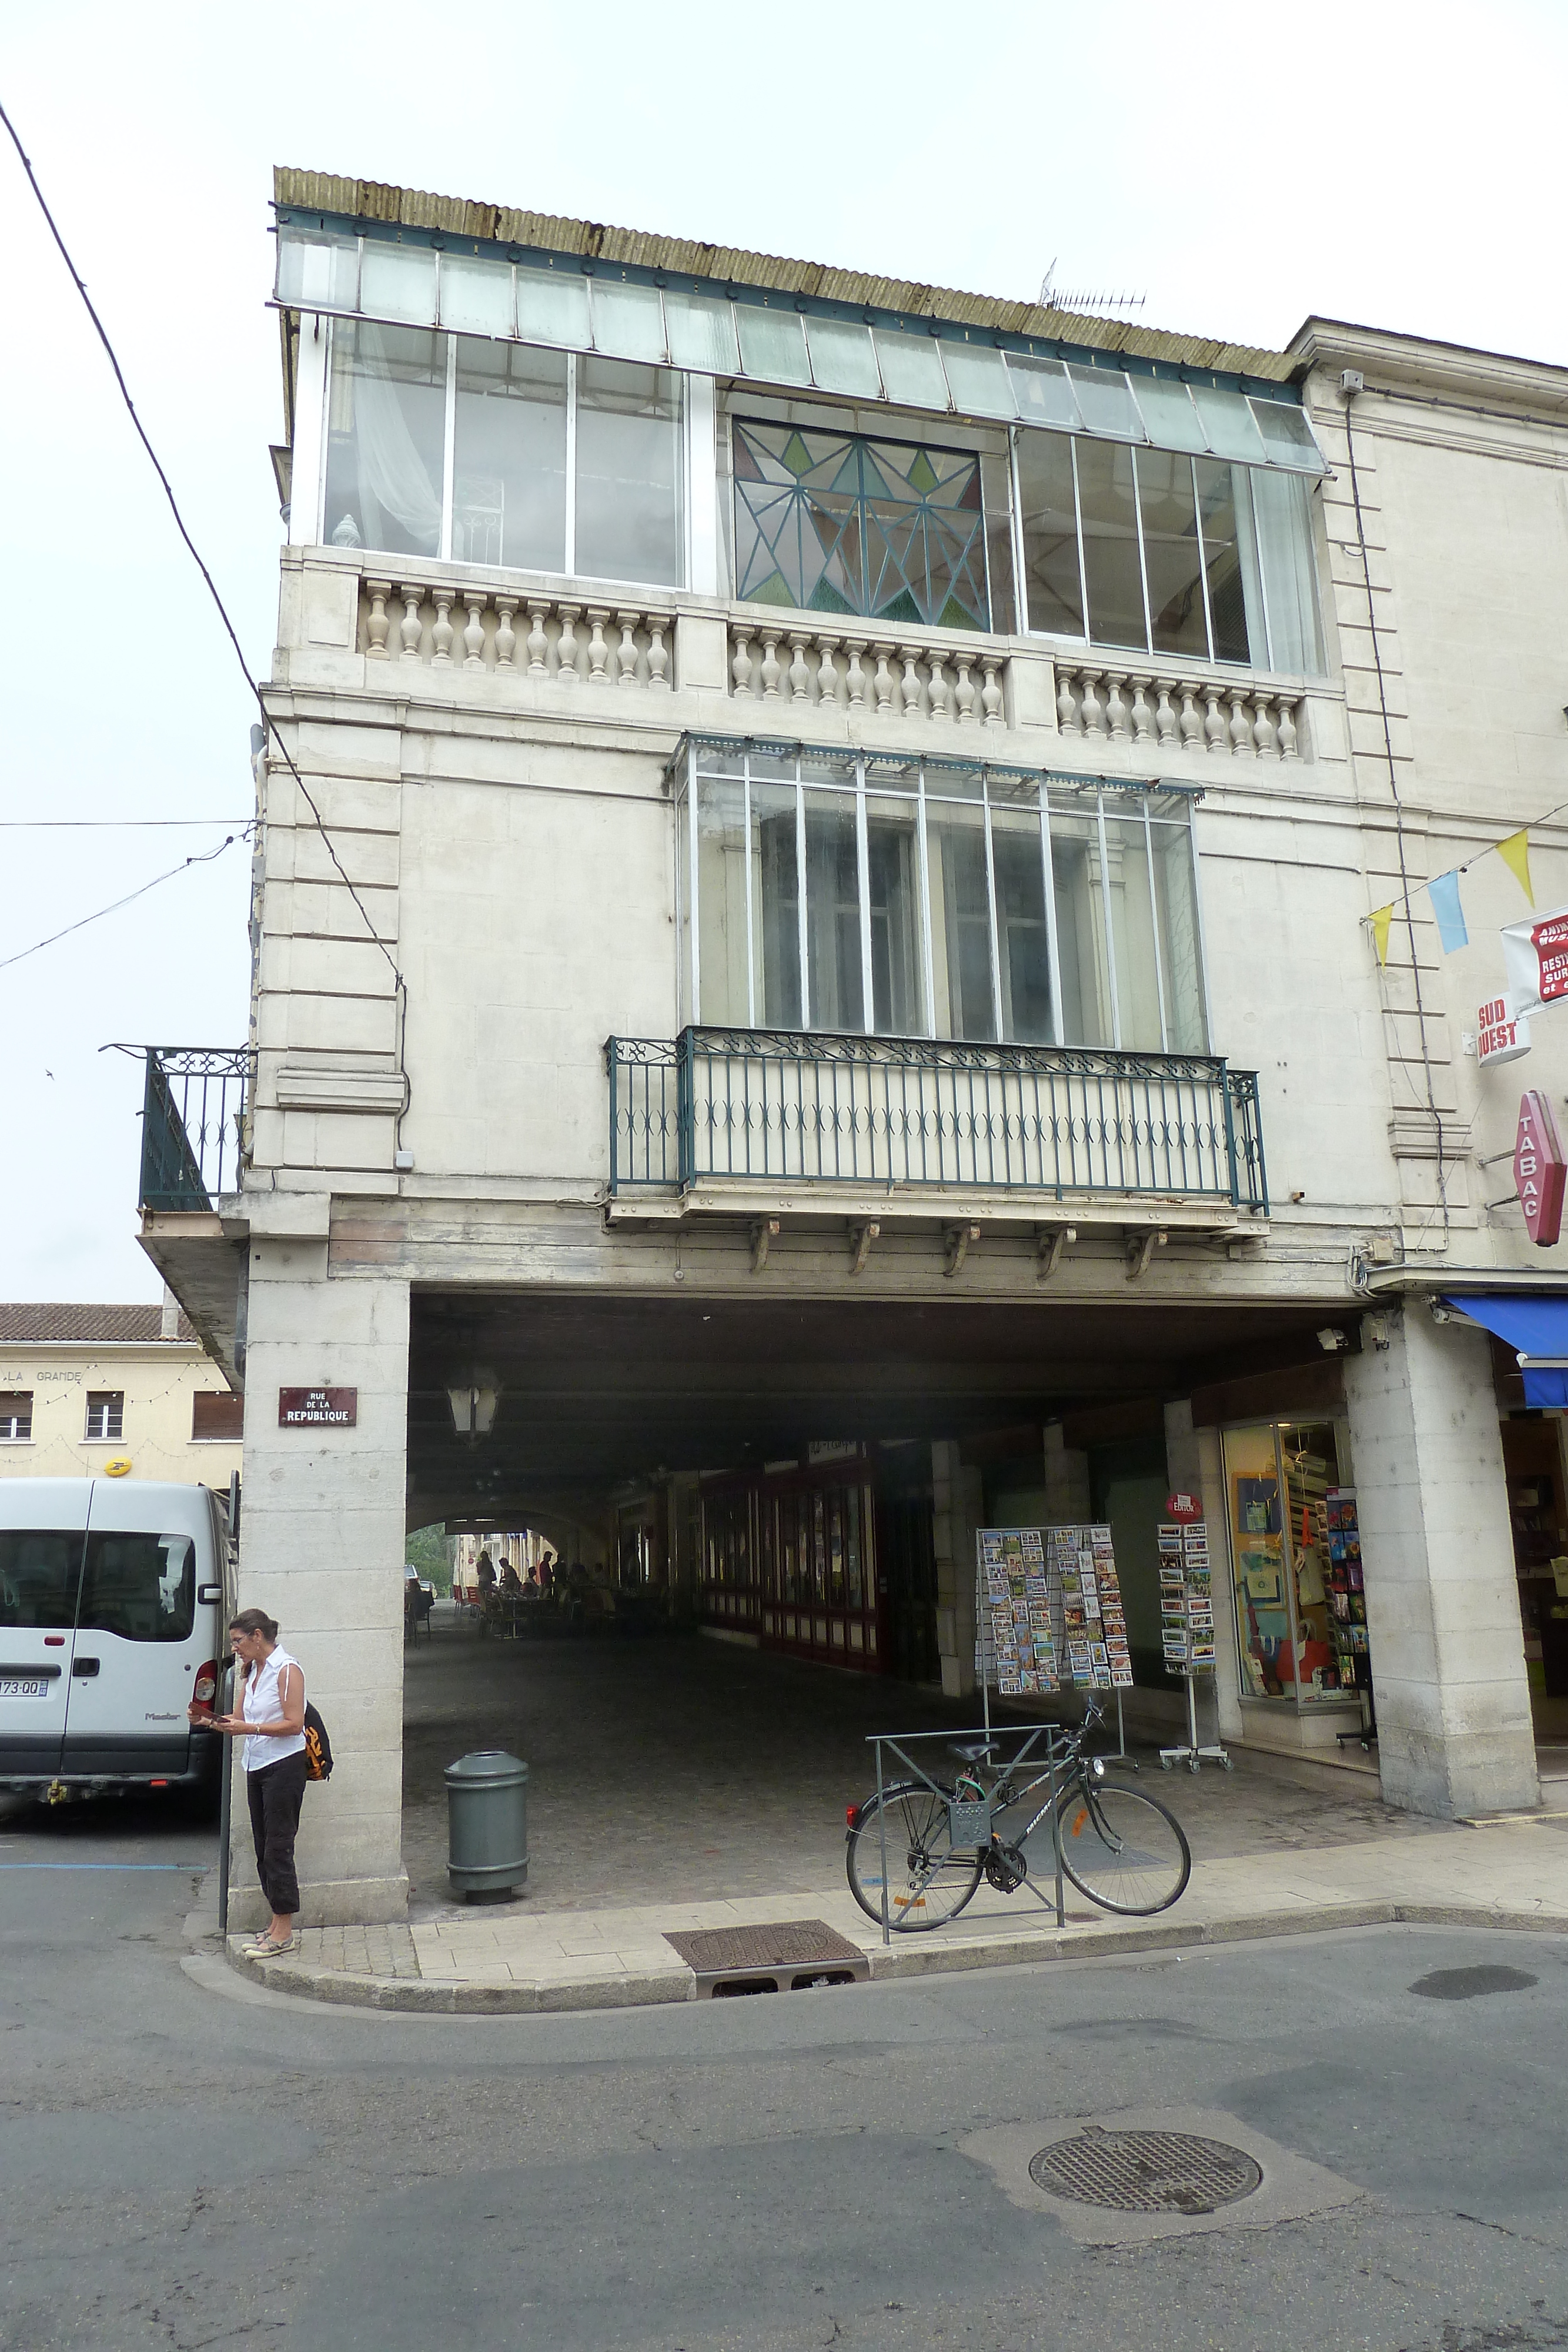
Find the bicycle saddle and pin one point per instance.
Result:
(975, 1751)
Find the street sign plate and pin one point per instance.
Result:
(317, 1408)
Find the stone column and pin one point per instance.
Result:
(1442, 1603)
(957, 1499)
(1066, 1480)
(321, 1550)
(1194, 1465)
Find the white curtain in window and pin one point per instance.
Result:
(1285, 546)
(392, 471)
(1241, 482)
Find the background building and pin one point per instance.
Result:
(849, 958)
(82, 1387)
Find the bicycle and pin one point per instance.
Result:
(1122, 1848)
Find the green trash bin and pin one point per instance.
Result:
(487, 1822)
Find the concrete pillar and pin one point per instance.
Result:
(1442, 1602)
(957, 1504)
(1066, 1480)
(321, 1550)
(1194, 1465)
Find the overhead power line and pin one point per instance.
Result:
(201, 857)
(123, 824)
(267, 719)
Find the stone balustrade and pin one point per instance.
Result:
(482, 626)
(950, 680)
(1164, 710)
(957, 683)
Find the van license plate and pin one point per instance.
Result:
(24, 1686)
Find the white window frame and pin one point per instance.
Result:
(1144, 652)
(865, 784)
(10, 1434)
(109, 1400)
(308, 473)
(698, 542)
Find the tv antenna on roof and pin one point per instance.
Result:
(1056, 297)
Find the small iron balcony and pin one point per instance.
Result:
(750, 1107)
(191, 1109)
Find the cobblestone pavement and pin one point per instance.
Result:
(685, 1770)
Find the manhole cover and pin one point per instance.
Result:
(1465, 1984)
(1145, 2171)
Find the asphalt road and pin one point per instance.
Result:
(204, 2165)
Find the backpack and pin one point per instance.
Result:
(318, 1748)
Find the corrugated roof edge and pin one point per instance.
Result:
(593, 240)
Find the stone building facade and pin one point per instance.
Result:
(814, 979)
(82, 1387)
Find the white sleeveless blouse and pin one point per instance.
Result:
(263, 1703)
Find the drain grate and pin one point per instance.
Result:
(1145, 2171)
(781, 1956)
(782, 1943)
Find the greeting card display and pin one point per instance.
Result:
(1048, 1611)
(1345, 1590)
(1186, 1598)
(1081, 1576)
(1015, 1645)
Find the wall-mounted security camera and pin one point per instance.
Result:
(1331, 1342)
(1351, 380)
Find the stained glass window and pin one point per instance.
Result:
(832, 522)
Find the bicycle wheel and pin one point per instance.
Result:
(928, 1880)
(1122, 1848)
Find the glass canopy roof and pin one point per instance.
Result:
(770, 338)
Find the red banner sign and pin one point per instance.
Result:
(1539, 1170)
(1535, 961)
(1183, 1507)
(1550, 941)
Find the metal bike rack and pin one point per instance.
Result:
(1029, 1736)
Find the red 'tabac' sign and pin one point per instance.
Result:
(1539, 1170)
(1183, 1507)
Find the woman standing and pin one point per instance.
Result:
(271, 1722)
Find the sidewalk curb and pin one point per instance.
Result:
(432, 1997)
(888, 1963)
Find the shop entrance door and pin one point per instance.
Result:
(1301, 1604)
(1538, 1512)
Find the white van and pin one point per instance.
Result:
(113, 1617)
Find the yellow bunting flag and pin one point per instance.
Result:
(1380, 922)
(1515, 852)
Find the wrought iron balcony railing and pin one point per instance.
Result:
(191, 1109)
(728, 1106)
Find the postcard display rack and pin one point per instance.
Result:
(1338, 1534)
(1049, 1614)
(1186, 1625)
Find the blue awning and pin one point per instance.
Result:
(1535, 1328)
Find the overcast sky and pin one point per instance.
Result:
(1239, 166)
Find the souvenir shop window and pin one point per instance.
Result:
(1301, 1607)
